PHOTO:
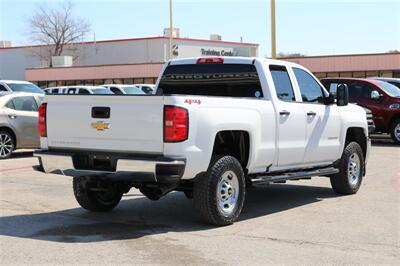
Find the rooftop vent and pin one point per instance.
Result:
(175, 32)
(215, 37)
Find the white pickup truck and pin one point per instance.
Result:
(215, 126)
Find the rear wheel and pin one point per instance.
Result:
(7, 144)
(351, 169)
(395, 132)
(219, 195)
(97, 201)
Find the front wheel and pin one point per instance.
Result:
(395, 132)
(219, 195)
(351, 169)
(96, 201)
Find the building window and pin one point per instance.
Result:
(361, 74)
(70, 82)
(320, 75)
(138, 81)
(99, 82)
(128, 81)
(386, 74)
(372, 74)
(332, 74)
(149, 81)
(345, 74)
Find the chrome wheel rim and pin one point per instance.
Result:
(397, 132)
(228, 192)
(6, 145)
(354, 169)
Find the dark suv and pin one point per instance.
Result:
(382, 98)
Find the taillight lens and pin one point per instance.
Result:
(176, 124)
(210, 60)
(42, 120)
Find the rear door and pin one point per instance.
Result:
(291, 126)
(22, 115)
(322, 121)
(131, 124)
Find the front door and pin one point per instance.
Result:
(323, 121)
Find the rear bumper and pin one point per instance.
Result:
(125, 167)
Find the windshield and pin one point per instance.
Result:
(102, 91)
(27, 87)
(133, 90)
(389, 88)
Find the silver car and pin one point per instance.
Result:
(18, 121)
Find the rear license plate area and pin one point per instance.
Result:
(98, 162)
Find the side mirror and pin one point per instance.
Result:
(330, 99)
(342, 95)
(375, 95)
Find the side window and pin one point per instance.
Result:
(283, 85)
(355, 91)
(115, 90)
(83, 91)
(10, 104)
(27, 103)
(71, 91)
(311, 91)
(2, 88)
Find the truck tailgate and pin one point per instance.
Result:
(134, 123)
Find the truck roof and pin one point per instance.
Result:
(233, 60)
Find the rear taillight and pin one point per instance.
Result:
(176, 124)
(210, 60)
(42, 120)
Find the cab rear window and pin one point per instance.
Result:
(230, 80)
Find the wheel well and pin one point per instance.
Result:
(235, 143)
(394, 118)
(357, 134)
(9, 130)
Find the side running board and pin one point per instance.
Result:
(294, 175)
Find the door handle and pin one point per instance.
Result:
(311, 113)
(284, 113)
(12, 116)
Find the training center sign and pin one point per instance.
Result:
(182, 51)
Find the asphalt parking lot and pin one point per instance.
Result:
(300, 222)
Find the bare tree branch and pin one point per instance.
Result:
(56, 28)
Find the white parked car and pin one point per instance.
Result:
(147, 88)
(125, 89)
(219, 125)
(78, 90)
(19, 86)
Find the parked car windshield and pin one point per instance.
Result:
(389, 88)
(26, 87)
(102, 91)
(133, 90)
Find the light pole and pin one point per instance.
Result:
(273, 30)
(170, 30)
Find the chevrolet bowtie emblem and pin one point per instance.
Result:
(100, 126)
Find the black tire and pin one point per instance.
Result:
(205, 188)
(95, 201)
(395, 130)
(349, 179)
(7, 144)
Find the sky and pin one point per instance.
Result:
(309, 27)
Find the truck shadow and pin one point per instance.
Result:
(136, 216)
